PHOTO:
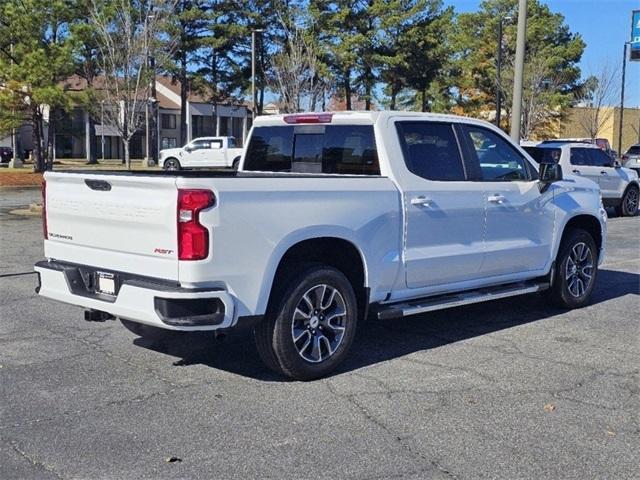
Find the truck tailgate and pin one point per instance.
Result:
(116, 222)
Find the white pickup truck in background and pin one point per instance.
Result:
(330, 219)
(204, 152)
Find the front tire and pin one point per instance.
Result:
(310, 330)
(576, 270)
(172, 164)
(629, 205)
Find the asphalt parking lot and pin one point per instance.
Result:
(509, 389)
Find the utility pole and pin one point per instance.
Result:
(516, 110)
(16, 161)
(624, 71)
(498, 75)
(254, 96)
(102, 127)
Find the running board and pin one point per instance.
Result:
(430, 304)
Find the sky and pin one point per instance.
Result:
(604, 25)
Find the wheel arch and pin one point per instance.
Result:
(335, 251)
(171, 158)
(590, 223)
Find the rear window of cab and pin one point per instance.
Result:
(331, 149)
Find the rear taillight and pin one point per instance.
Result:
(193, 237)
(44, 210)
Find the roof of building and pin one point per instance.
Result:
(78, 84)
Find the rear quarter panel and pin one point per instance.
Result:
(256, 220)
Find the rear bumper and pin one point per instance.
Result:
(139, 299)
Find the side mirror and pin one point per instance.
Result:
(188, 149)
(617, 164)
(549, 173)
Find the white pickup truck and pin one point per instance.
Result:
(203, 152)
(331, 219)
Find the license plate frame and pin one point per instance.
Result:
(106, 283)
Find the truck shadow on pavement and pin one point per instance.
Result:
(378, 341)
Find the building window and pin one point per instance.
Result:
(202, 126)
(168, 121)
(169, 142)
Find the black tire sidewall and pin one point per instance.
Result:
(166, 163)
(560, 288)
(292, 364)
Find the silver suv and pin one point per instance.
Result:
(631, 158)
(618, 186)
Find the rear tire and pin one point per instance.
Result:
(172, 164)
(147, 331)
(236, 163)
(576, 270)
(309, 331)
(629, 205)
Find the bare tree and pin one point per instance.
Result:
(598, 92)
(541, 102)
(297, 71)
(124, 29)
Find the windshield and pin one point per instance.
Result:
(544, 155)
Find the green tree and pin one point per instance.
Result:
(552, 55)
(35, 56)
(187, 26)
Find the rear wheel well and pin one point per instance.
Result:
(588, 223)
(334, 252)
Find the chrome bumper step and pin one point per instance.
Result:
(433, 303)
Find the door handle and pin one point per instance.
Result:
(497, 198)
(576, 171)
(603, 173)
(421, 201)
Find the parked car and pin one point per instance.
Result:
(6, 154)
(619, 186)
(602, 143)
(631, 158)
(330, 217)
(202, 152)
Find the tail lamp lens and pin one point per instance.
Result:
(45, 230)
(193, 237)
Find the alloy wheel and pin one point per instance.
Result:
(631, 201)
(318, 323)
(579, 269)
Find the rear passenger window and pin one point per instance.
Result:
(499, 161)
(580, 156)
(431, 150)
(270, 149)
(342, 149)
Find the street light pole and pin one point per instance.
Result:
(498, 75)
(254, 96)
(624, 71)
(516, 109)
(102, 127)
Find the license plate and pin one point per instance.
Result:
(106, 283)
